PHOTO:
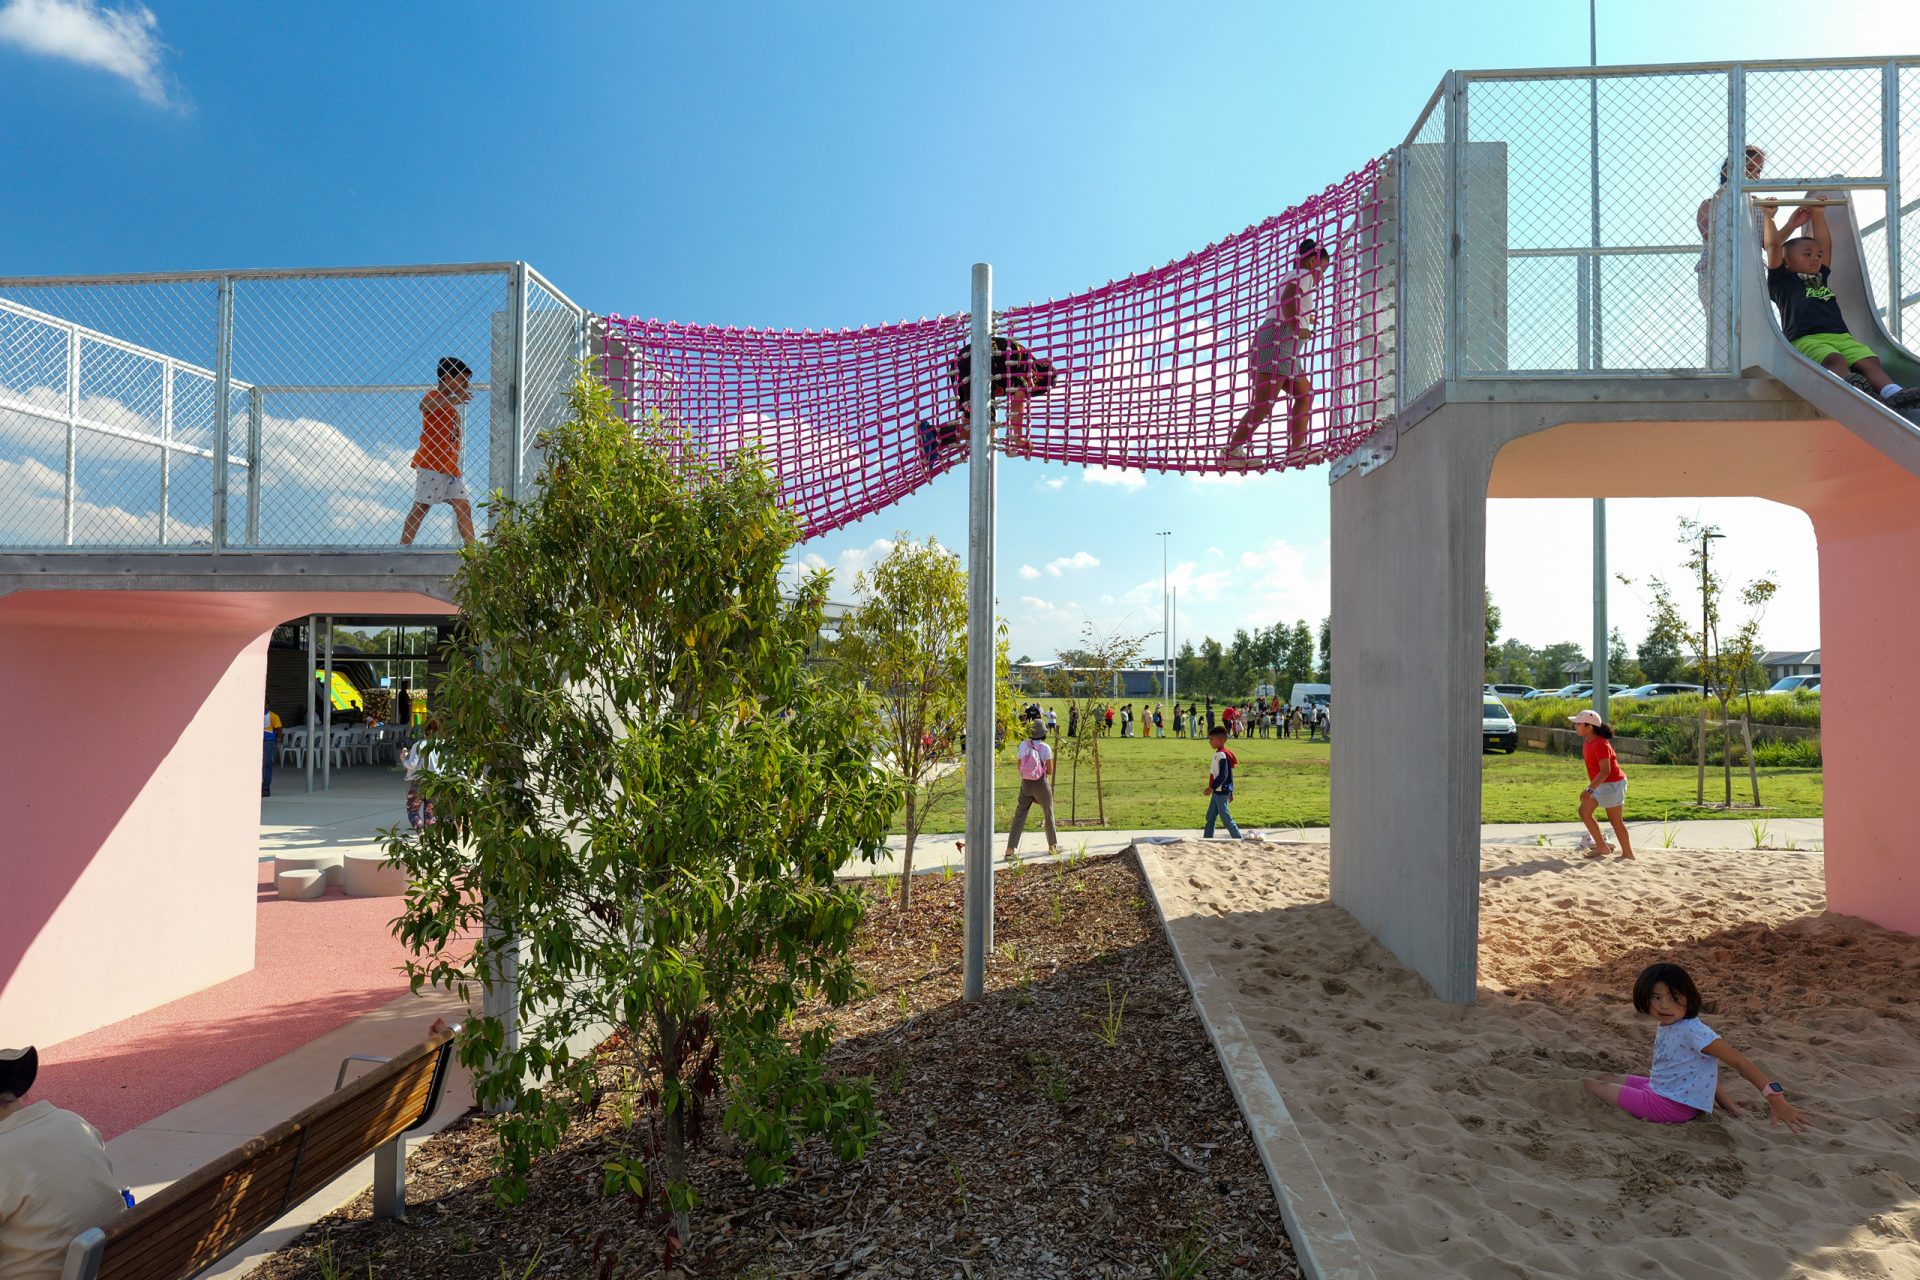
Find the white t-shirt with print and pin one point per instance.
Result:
(1681, 1072)
(1303, 280)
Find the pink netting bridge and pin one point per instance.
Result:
(1152, 371)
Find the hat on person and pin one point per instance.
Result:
(18, 1067)
(1589, 716)
(1036, 730)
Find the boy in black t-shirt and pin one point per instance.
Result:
(1797, 275)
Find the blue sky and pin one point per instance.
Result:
(810, 166)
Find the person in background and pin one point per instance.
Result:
(420, 756)
(1179, 721)
(1035, 759)
(56, 1179)
(1606, 784)
(1159, 722)
(1053, 724)
(436, 463)
(1073, 720)
(269, 742)
(1219, 786)
(1714, 275)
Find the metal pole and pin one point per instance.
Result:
(73, 412)
(511, 482)
(1175, 613)
(222, 405)
(326, 713)
(254, 398)
(1166, 618)
(980, 690)
(1597, 353)
(1890, 170)
(166, 448)
(1738, 221)
(312, 622)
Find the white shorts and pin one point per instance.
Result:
(430, 487)
(1609, 794)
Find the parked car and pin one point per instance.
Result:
(1541, 693)
(1497, 728)
(1513, 690)
(1787, 684)
(1584, 689)
(1641, 693)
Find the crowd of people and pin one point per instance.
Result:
(1261, 717)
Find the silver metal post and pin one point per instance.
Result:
(518, 403)
(980, 629)
(1738, 221)
(312, 623)
(1595, 349)
(1455, 304)
(222, 405)
(1890, 170)
(326, 714)
(166, 447)
(73, 412)
(1166, 618)
(254, 398)
(1600, 673)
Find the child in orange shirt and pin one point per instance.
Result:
(1606, 784)
(436, 463)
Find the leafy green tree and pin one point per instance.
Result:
(1491, 617)
(1621, 668)
(1325, 671)
(1518, 663)
(1726, 667)
(906, 643)
(642, 798)
(1550, 667)
(1299, 659)
(1663, 652)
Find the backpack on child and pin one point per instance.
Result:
(1032, 766)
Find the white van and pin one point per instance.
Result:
(1497, 729)
(1308, 695)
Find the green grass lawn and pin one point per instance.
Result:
(1155, 783)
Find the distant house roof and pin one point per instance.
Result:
(1790, 658)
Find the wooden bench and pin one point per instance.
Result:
(192, 1224)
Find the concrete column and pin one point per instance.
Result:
(1869, 616)
(1409, 565)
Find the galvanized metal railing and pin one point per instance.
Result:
(119, 396)
(1551, 221)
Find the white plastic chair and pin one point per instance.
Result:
(293, 742)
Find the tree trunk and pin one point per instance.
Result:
(1726, 750)
(673, 1147)
(906, 859)
(1700, 757)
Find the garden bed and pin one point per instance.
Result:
(1050, 1130)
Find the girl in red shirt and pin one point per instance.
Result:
(1606, 784)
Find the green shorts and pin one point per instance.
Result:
(1818, 346)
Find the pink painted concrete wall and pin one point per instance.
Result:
(1865, 509)
(131, 770)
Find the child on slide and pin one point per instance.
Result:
(1277, 359)
(1606, 784)
(1684, 1082)
(1797, 276)
(1018, 376)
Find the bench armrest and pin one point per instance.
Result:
(349, 1060)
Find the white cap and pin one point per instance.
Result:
(1589, 716)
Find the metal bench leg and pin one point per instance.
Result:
(390, 1179)
(83, 1255)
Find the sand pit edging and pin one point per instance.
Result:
(1323, 1241)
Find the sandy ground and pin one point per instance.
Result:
(1459, 1141)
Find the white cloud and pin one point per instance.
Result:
(1215, 552)
(1029, 572)
(1063, 564)
(845, 567)
(1056, 484)
(121, 42)
(1117, 477)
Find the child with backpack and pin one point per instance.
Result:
(1035, 759)
(1219, 786)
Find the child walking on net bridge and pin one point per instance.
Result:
(1277, 359)
(436, 463)
(1797, 281)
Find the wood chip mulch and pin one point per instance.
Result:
(1016, 1141)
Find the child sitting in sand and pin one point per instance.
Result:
(1219, 786)
(1606, 784)
(1684, 1081)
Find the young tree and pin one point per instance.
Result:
(1104, 655)
(642, 796)
(906, 643)
(1326, 651)
(1491, 616)
(1621, 668)
(1663, 653)
(1724, 667)
(1299, 660)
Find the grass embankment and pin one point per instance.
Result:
(1154, 783)
(1669, 724)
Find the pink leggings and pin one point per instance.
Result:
(1637, 1100)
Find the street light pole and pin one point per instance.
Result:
(1602, 677)
(1166, 616)
(1706, 642)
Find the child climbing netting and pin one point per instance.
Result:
(1018, 376)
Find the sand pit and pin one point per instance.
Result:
(1459, 1141)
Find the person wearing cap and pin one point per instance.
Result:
(1035, 759)
(55, 1177)
(1277, 359)
(1606, 784)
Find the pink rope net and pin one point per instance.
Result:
(1152, 371)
